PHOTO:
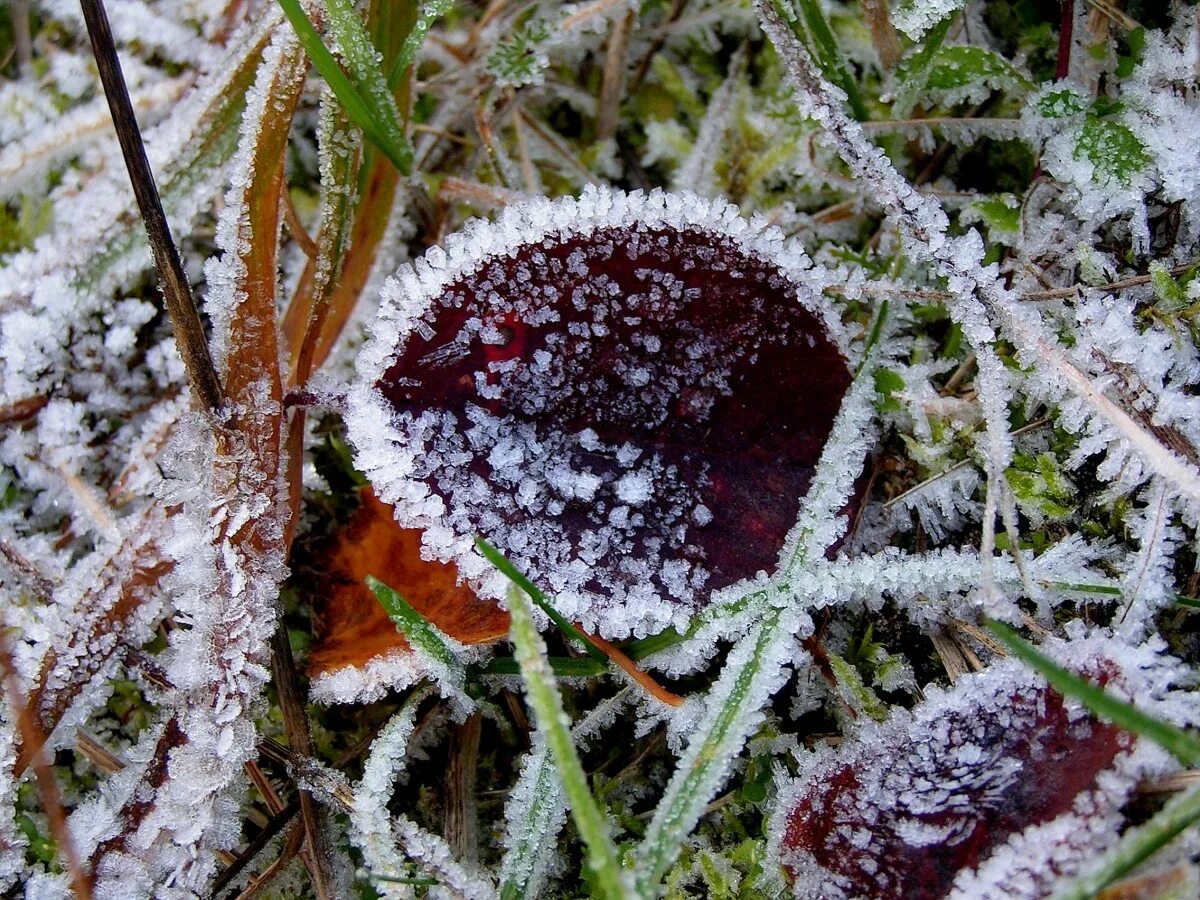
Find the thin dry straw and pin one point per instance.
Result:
(185, 317)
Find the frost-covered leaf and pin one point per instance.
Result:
(1115, 152)
(916, 17)
(356, 642)
(965, 73)
(1000, 213)
(995, 787)
(605, 389)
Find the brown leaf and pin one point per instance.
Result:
(352, 628)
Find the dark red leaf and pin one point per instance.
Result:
(908, 807)
(628, 399)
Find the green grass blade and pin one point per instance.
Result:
(562, 666)
(1183, 746)
(1189, 602)
(363, 61)
(417, 630)
(357, 107)
(546, 703)
(751, 674)
(502, 562)
(827, 54)
(1137, 845)
(427, 13)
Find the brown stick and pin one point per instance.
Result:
(462, 826)
(27, 724)
(295, 725)
(614, 76)
(185, 317)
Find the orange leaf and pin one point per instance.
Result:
(352, 628)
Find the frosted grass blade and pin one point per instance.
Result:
(366, 111)
(417, 630)
(828, 54)
(501, 562)
(542, 691)
(427, 13)
(1137, 845)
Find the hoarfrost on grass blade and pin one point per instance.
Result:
(603, 387)
(978, 296)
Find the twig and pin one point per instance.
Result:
(660, 38)
(22, 40)
(614, 76)
(1066, 36)
(252, 849)
(295, 726)
(462, 826)
(31, 736)
(185, 317)
(883, 33)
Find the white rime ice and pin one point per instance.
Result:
(381, 837)
(224, 590)
(981, 304)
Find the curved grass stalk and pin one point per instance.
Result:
(544, 698)
(978, 298)
(536, 809)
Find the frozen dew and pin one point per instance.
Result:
(929, 803)
(626, 393)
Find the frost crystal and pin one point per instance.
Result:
(606, 388)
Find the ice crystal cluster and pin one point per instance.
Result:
(764, 355)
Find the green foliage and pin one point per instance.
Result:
(1043, 492)
(546, 702)
(858, 696)
(955, 67)
(1113, 149)
(520, 58)
(887, 382)
(417, 630)
(366, 98)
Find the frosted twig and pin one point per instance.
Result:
(47, 785)
(177, 291)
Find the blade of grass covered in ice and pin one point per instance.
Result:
(501, 562)
(1137, 845)
(424, 637)
(1182, 745)
(535, 812)
(753, 671)
(757, 665)
(825, 49)
(366, 108)
(427, 13)
(542, 691)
